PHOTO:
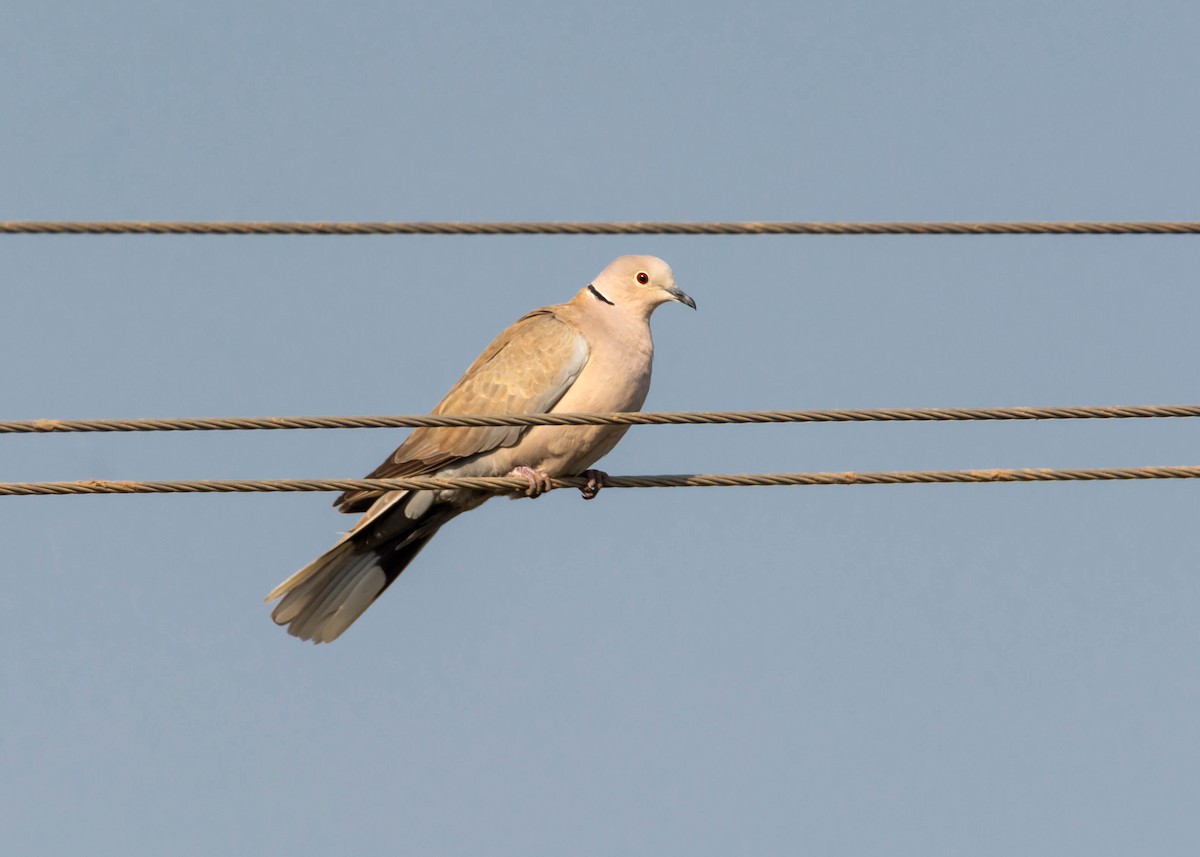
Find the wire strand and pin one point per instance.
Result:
(138, 227)
(504, 484)
(628, 418)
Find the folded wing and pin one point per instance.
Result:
(525, 370)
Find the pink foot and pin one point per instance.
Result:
(596, 479)
(539, 483)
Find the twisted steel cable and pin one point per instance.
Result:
(628, 418)
(137, 227)
(504, 484)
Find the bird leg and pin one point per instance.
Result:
(596, 479)
(539, 483)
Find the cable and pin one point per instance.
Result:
(504, 484)
(631, 418)
(137, 227)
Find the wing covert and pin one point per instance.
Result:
(525, 370)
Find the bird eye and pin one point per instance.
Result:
(643, 277)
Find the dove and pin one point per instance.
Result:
(592, 354)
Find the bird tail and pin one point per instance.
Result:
(323, 599)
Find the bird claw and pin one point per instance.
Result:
(539, 483)
(596, 479)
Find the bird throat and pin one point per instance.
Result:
(599, 296)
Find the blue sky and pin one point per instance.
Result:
(903, 670)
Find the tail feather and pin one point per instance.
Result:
(303, 578)
(355, 601)
(324, 598)
(327, 596)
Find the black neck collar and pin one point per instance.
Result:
(599, 296)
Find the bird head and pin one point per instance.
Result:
(638, 282)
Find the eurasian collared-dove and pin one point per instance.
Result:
(591, 354)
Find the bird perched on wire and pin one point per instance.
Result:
(592, 354)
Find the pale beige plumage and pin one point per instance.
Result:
(591, 354)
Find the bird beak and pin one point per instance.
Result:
(678, 294)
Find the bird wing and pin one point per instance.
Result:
(525, 370)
